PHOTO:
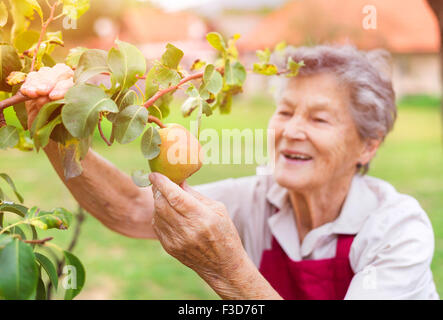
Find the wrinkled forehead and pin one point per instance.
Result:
(315, 89)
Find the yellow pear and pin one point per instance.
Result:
(179, 153)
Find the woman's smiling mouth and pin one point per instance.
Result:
(295, 157)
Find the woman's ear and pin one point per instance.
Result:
(369, 150)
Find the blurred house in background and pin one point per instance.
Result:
(408, 29)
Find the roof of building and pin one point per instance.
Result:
(401, 26)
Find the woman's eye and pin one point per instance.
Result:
(285, 113)
(321, 120)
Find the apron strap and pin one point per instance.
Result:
(344, 242)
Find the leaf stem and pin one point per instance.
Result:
(39, 241)
(101, 131)
(13, 225)
(156, 121)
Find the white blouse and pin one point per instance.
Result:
(390, 255)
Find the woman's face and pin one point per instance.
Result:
(316, 139)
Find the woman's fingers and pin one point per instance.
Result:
(43, 82)
(61, 88)
(180, 200)
(196, 194)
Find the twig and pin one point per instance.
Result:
(39, 241)
(42, 33)
(15, 99)
(101, 131)
(156, 121)
(161, 93)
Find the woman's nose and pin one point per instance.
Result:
(294, 129)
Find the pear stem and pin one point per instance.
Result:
(156, 121)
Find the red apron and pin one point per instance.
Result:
(325, 279)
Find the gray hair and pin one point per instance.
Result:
(368, 76)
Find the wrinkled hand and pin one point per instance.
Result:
(45, 85)
(195, 230)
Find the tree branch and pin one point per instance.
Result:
(161, 93)
(42, 33)
(15, 99)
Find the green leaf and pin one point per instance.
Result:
(126, 63)
(265, 69)
(212, 80)
(73, 57)
(74, 9)
(5, 239)
(263, 55)
(150, 143)
(41, 137)
(162, 104)
(91, 63)
(19, 231)
(35, 6)
(71, 156)
(80, 275)
(172, 56)
(41, 290)
(48, 61)
(226, 104)
(49, 267)
(16, 77)
(21, 14)
(83, 105)
(190, 105)
(14, 208)
(9, 137)
(163, 77)
(206, 108)
(232, 49)
(55, 38)
(130, 123)
(198, 64)
(280, 47)
(44, 114)
(25, 40)
(19, 274)
(129, 98)
(9, 181)
(235, 73)
(24, 143)
(140, 178)
(20, 108)
(216, 40)
(59, 218)
(9, 62)
(294, 67)
(3, 14)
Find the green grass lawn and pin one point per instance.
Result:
(122, 268)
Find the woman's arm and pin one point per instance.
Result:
(108, 194)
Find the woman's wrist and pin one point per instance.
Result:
(241, 281)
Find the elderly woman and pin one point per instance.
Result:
(318, 228)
